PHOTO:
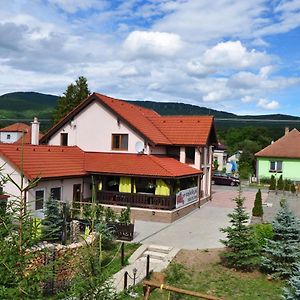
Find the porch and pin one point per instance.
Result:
(141, 200)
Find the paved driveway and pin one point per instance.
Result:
(198, 230)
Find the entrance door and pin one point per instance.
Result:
(76, 192)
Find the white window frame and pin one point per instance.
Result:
(276, 170)
(39, 190)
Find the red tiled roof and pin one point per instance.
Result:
(160, 130)
(65, 161)
(45, 161)
(16, 127)
(185, 130)
(20, 127)
(287, 146)
(137, 164)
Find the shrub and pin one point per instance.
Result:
(125, 215)
(292, 291)
(272, 186)
(257, 210)
(280, 184)
(265, 180)
(287, 185)
(261, 232)
(110, 215)
(293, 188)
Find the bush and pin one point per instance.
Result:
(280, 184)
(257, 210)
(125, 216)
(265, 180)
(287, 185)
(261, 232)
(272, 186)
(293, 188)
(110, 215)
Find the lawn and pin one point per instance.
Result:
(201, 271)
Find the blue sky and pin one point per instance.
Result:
(238, 56)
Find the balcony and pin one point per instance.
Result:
(142, 200)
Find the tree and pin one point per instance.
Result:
(242, 251)
(292, 292)
(257, 210)
(280, 184)
(282, 251)
(272, 186)
(293, 188)
(52, 223)
(74, 95)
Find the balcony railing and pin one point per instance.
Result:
(142, 200)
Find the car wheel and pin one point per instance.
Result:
(231, 183)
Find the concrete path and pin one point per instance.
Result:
(160, 257)
(201, 228)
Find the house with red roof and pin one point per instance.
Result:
(281, 157)
(158, 165)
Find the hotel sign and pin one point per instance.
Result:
(187, 196)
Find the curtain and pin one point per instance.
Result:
(162, 188)
(100, 184)
(125, 185)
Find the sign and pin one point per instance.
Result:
(187, 196)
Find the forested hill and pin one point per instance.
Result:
(26, 105)
(173, 108)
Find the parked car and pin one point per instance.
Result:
(225, 179)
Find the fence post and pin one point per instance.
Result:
(148, 267)
(122, 254)
(64, 225)
(125, 280)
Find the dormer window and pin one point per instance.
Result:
(119, 142)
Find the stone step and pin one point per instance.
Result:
(154, 254)
(161, 249)
(152, 260)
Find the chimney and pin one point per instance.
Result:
(35, 131)
(286, 130)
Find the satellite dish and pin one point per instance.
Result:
(139, 147)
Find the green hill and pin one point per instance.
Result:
(26, 105)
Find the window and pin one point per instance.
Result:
(119, 142)
(276, 166)
(64, 139)
(55, 193)
(39, 199)
(8, 136)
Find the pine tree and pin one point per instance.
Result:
(242, 252)
(292, 292)
(282, 251)
(257, 210)
(73, 96)
(52, 223)
(280, 184)
(272, 186)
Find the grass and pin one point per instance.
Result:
(112, 257)
(218, 281)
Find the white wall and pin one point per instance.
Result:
(92, 130)
(14, 136)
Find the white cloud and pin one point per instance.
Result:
(234, 55)
(148, 44)
(266, 104)
(72, 6)
(247, 99)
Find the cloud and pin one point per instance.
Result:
(73, 6)
(148, 44)
(233, 55)
(266, 104)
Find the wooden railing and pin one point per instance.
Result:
(136, 200)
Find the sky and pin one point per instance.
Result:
(237, 56)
